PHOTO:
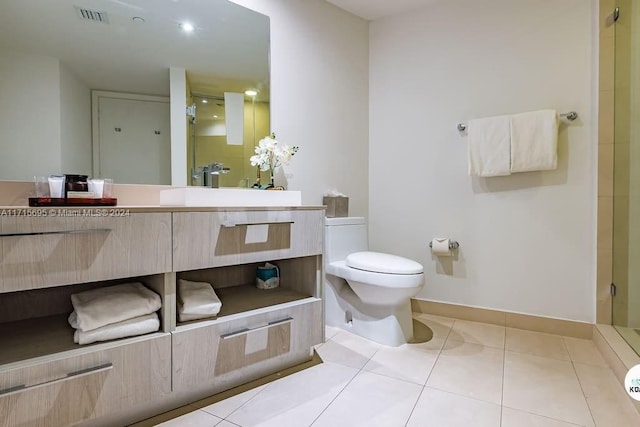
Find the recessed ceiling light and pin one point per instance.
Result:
(204, 101)
(186, 27)
(251, 92)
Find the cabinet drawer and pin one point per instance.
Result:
(38, 252)
(240, 350)
(69, 390)
(211, 239)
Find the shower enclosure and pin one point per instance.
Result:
(207, 141)
(626, 201)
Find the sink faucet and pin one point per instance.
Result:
(211, 173)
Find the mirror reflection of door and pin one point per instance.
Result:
(132, 141)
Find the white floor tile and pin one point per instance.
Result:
(225, 423)
(470, 370)
(440, 326)
(437, 408)
(515, 418)
(478, 333)
(544, 386)
(584, 351)
(371, 400)
(348, 349)
(295, 400)
(225, 407)
(609, 403)
(193, 419)
(330, 332)
(536, 343)
(409, 362)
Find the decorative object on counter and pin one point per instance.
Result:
(72, 190)
(42, 186)
(196, 300)
(267, 276)
(56, 186)
(114, 312)
(337, 204)
(270, 155)
(96, 186)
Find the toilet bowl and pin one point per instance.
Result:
(367, 293)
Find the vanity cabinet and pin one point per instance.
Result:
(211, 239)
(258, 331)
(228, 352)
(46, 251)
(48, 380)
(65, 389)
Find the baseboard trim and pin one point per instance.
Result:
(570, 328)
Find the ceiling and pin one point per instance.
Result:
(228, 51)
(376, 9)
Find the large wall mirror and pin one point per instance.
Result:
(85, 88)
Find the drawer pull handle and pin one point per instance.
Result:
(44, 233)
(70, 375)
(257, 328)
(230, 224)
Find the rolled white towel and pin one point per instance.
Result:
(103, 306)
(127, 328)
(196, 299)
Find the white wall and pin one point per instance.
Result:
(526, 240)
(319, 96)
(75, 124)
(29, 115)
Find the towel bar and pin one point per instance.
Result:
(571, 115)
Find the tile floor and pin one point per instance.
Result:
(467, 374)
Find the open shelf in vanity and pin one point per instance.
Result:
(236, 288)
(34, 323)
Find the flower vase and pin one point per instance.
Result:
(271, 180)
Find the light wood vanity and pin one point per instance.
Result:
(47, 380)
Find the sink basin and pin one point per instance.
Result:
(228, 197)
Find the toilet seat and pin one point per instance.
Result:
(386, 280)
(377, 262)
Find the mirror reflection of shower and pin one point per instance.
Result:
(207, 141)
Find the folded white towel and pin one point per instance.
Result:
(196, 298)
(534, 141)
(103, 306)
(127, 328)
(489, 146)
(186, 317)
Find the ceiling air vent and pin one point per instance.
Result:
(92, 15)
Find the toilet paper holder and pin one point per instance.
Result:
(452, 244)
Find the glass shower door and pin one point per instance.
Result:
(626, 201)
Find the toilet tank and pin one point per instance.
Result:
(343, 236)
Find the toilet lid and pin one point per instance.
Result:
(382, 263)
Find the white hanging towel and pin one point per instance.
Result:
(534, 141)
(489, 147)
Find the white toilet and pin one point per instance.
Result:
(367, 293)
